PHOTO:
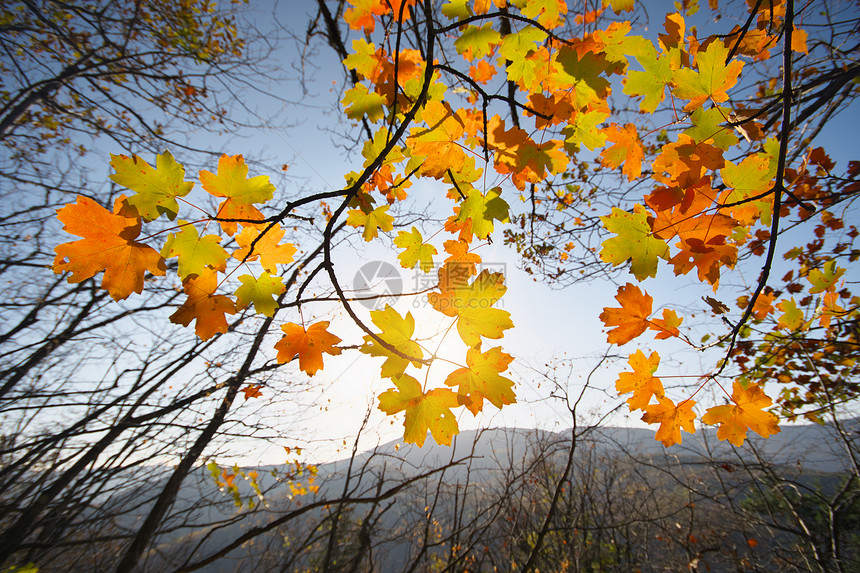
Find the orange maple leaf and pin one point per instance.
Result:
(640, 381)
(308, 344)
(202, 304)
(482, 379)
(252, 391)
(108, 245)
(626, 150)
(747, 412)
(268, 248)
(672, 419)
(631, 319)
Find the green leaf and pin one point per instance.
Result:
(475, 42)
(482, 210)
(376, 219)
(260, 291)
(358, 102)
(193, 251)
(156, 189)
(634, 241)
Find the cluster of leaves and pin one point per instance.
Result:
(703, 209)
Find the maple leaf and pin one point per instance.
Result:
(252, 391)
(634, 242)
(472, 306)
(547, 13)
(653, 81)
(711, 80)
(475, 42)
(461, 259)
(417, 251)
(156, 189)
(260, 291)
(483, 72)
(396, 331)
(672, 419)
(631, 319)
(707, 126)
(640, 381)
(626, 150)
(747, 412)
(361, 15)
(619, 6)
(108, 245)
(482, 379)
(582, 72)
(203, 305)
(749, 179)
(309, 345)
(825, 280)
(792, 317)
(358, 102)
(582, 130)
(424, 411)
(240, 192)
(480, 211)
(666, 327)
(267, 248)
(438, 143)
(372, 221)
(193, 251)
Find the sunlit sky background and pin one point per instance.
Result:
(549, 324)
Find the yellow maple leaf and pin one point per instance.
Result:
(747, 412)
(424, 410)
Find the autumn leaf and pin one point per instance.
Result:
(825, 279)
(482, 379)
(156, 189)
(626, 150)
(260, 291)
(396, 331)
(653, 81)
(424, 411)
(666, 327)
(252, 391)
(240, 192)
(193, 251)
(747, 412)
(372, 222)
(472, 306)
(461, 259)
(634, 241)
(309, 345)
(475, 42)
(479, 211)
(438, 145)
(711, 80)
(358, 102)
(417, 251)
(203, 305)
(792, 317)
(267, 248)
(640, 381)
(108, 245)
(672, 419)
(631, 319)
